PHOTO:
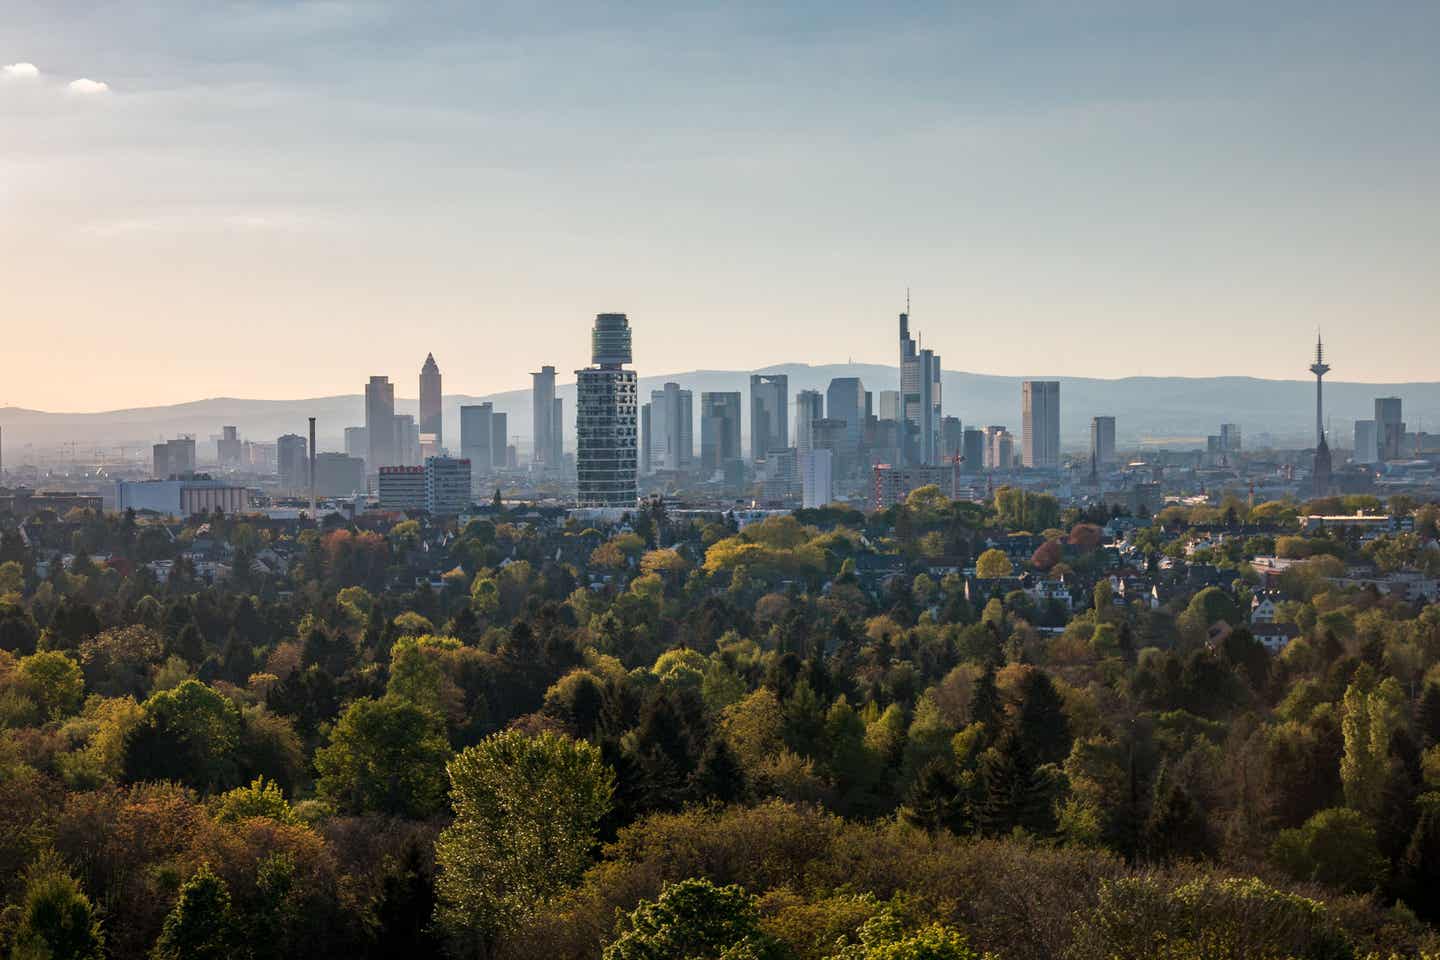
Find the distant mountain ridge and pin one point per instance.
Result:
(1181, 410)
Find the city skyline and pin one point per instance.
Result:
(247, 178)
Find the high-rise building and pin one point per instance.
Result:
(339, 475)
(357, 443)
(1389, 427)
(672, 429)
(1102, 442)
(430, 403)
(919, 397)
(544, 427)
(999, 448)
(809, 407)
(769, 413)
(606, 412)
(173, 458)
(476, 437)
(557, 435)
(406, 440)
(447, 486)
(501, 449)
(952, 439)
(401, 488)
(1230, 439)
(1040, 441)
(719, 429)
(647, 440)
(973, 451)
(889, 405)
(294, 468)
(227, 447)
(1367, 449)
(816, 478)
(845, 400)
(380, 424)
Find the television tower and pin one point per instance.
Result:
(1319, 368)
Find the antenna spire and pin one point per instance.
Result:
(907, 299)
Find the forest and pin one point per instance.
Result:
(945, 730)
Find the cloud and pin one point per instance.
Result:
(89, 87)
(21, 70)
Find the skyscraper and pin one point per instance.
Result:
(475, 436)
(605, 418)
(919, 397)
(544, 427)
(952, 439)
(430, 417)
(973, 451)
(845, 400)
(999, 448)
(294, 469)
(809, 407)
(719, 429)
(227, 447)
(769, 416)
(1102, 441)
(1367, 450)
(889, 405)
(1389, 427)
(500, 442)
(1230, 438)
(672, 430)
(1040, 441)
(380, 424)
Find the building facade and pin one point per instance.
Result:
(173, 458)
(339, 475)
(402, 488)
(817, 481)
(431, 418)
(1389, 428)
(719, 429)
(606, 418)
(919, 398)
(447, 486)
(769, 414)
(380, 424)
(544, 429)
(1102, 441)
(1040, 439)
(293, 467)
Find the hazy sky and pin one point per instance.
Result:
(277, 200)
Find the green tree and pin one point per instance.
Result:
(201, 925)
(693, 920)
(56, 920)
(885, 937)
(526, 814)
(53, 681)
(385, 756)
(188, 734)
(260, 798)
(992, 565)
(1371, 717)
(1335, 847)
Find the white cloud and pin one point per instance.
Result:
(21, 70)
(89, 87)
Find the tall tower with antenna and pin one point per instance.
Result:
(1319, 368)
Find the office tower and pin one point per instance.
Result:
(973, 450)
(447, 486)
(1367, 450)
(999, 448)
(809, 407)
(919, 397)
(401, 488)
(889, 405)
(647, 440)
(952, 439)
(173, 458)
(380, 424)
(290, 454)
(357, 442)
(769, 414)
(475, 436)
(1230, 440)
(557, 435)
(845, 400)
(672, 431)
(227, 447)
(606, 411)
(1102, 441)
(869, 404)
(1389, 428)
(500, 446)
(430, 417)
(719, 429)
(405, 439)
(339, 475)
(1040, 440)
(542, 394)
(816, 478)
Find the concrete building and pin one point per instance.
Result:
(809, 407)
(227, 447)
(606, 418)
(181, 498)
(845, 401)
(24, 502)
(719, 429)
(447, 486)
(769, 413)
(671, 433)
(1367, 449)
(357, 443)
(339, 475)
(477, 436)
(545, 426)
(402, 488)
(1102, 442)
(173, 458)
(647, 440)
(380, 424)
(817, 486)
(999, 448)
(973, 451)
(919, 397)
(952, 439)
(406, 441)
(1040, 439)
(1230, 438)
(1389, 428)
(893, 484)
(431, 423)
(889, 405)
(293, 465)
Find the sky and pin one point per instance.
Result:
(278, 200)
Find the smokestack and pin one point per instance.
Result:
(314, 515)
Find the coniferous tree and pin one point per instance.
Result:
(201, 925)
(1041, 721)
(1016, 792)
